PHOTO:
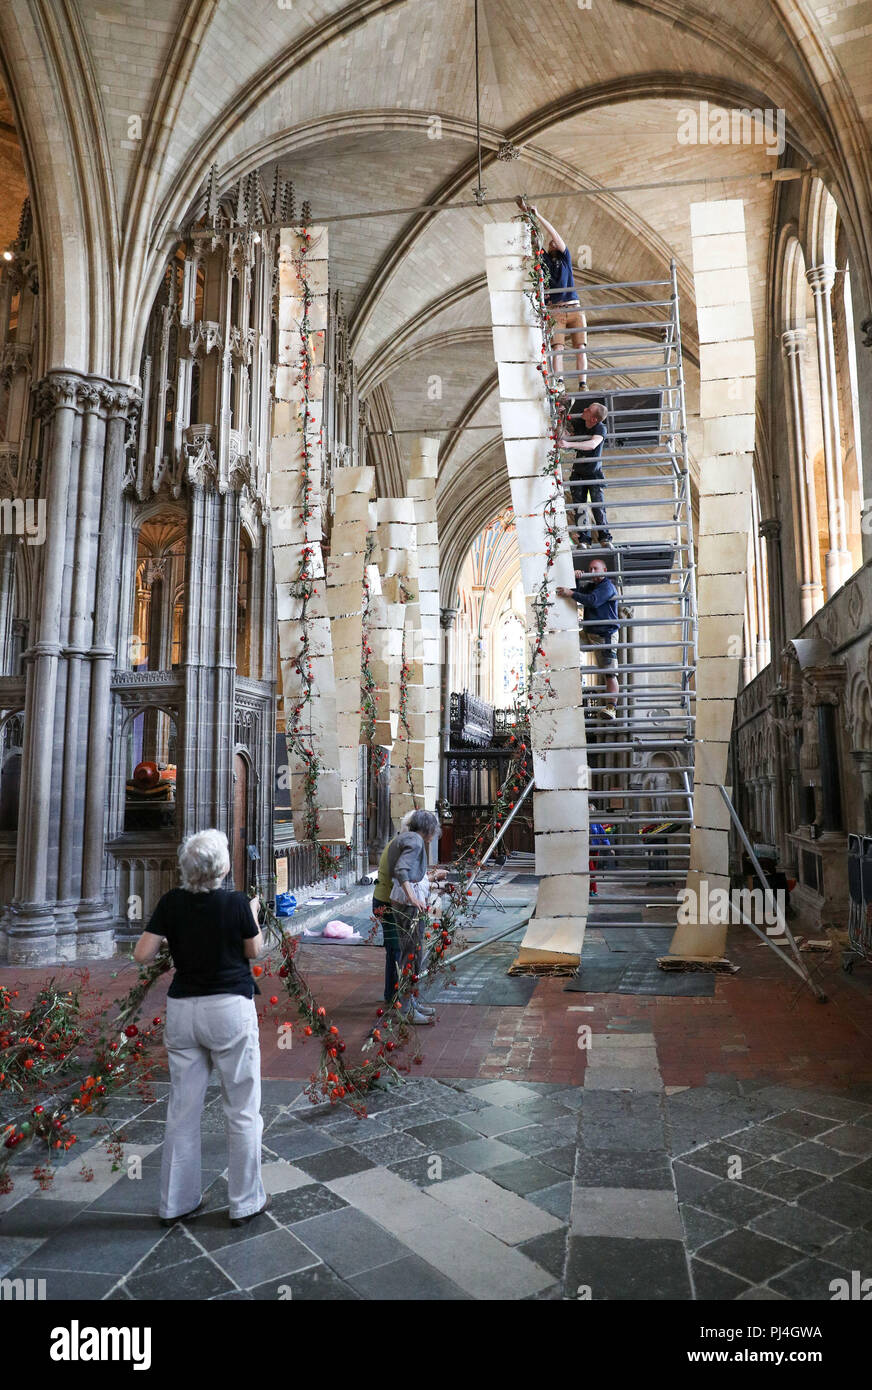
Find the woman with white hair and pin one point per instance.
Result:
(212, 934)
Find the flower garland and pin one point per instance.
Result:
(39, 1047)
(539, 686)
(376, 755)
(337, 1078)
(403, 704)
(45, 1077)
(299, 740)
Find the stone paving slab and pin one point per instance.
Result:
(563, 1186)
(501, 1213)
(348, 1241)
(637, 1213)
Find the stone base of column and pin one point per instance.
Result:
(66, 929)
(95, 931)
(28, 935)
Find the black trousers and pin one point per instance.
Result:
(586, 487)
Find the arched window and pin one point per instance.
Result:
(158, 601)
(512, 659)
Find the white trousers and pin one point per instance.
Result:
(220, 1031)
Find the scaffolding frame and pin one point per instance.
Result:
(646, 496)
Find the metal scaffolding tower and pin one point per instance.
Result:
(641, 761)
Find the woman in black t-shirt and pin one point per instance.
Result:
(212, 934)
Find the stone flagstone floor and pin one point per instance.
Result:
(471, 1189)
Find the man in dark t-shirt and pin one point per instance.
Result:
(561, 298)
(582, 447)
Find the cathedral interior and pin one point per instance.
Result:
(192, 195)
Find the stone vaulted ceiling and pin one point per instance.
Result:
(370, 105)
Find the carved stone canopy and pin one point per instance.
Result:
(810, 674)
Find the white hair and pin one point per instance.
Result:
(204, 861)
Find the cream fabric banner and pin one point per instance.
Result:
(727, 396)
(291, 534)
(556, 930)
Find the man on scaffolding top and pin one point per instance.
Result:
(561, 298)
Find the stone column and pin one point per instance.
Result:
(424, 710)
(8, 553)
(95, 913)
(78, 640)
(298, 525)
(793, 347)
(821, 278)
(447, 617)
(352, 488)
(827, 685)
(761, 589)
(770, 532)
(727, 405)
(31, 917)
(556, 931)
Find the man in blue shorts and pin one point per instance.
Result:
(561, 298)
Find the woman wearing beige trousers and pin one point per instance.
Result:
(211, 1022)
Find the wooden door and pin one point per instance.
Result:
(240, 822)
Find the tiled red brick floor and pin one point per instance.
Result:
(760, 1022)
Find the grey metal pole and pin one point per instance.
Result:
(800, 967)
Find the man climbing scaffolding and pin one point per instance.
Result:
(582, 442)
(561, 298)
(599, 599)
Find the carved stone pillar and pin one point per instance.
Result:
(761, 587)
(31, 924)
(770, 532)
(793, 348)
(826, 685)
(95, 913)
(821, 278)
(78, 639)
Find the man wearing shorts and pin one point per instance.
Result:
(561, 298)
(599, 599)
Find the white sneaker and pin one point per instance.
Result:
(413, 1015)
(424, 1008)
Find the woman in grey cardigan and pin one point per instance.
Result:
(408, 860)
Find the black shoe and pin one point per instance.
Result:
(244, 1220)
(185, 1216)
